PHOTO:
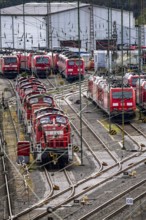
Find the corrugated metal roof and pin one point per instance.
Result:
(39, 8)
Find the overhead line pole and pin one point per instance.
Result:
(13, 41)
(91, 28)
(123, 137)
(49, 26)
(0, 31)
(24, 46)
(139, 53)
(108, 57)
(80, 89)
(129, 30)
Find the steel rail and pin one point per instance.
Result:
(2, 147)
(94, 211)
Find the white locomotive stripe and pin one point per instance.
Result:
(115, 104)
(54, 132)
(10, 66)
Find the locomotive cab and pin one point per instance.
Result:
(37, 100)
(53, 135)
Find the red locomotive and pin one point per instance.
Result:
(131, 78)
(23, 62)
(9, 66)
(42, 111)
(113, 98)
(40, 65)
(28, 87)
(48, 127)
(52, 137)
(37, 101)
(141, 93)
(71, 66)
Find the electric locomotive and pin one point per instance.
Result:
(131, 78)
(71, 66)
(9, 66)
(114, 98)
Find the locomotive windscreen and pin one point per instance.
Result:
(44, 60)
(134, 80)
(49, 110)
(61, 119)
(45, 120)
(8, 60)
(71, 63)
(77, 62)
(120, 95)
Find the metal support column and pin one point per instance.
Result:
(48, 26)
(123, 135)
(80, 89)
(91, 28)
(24, 43)
(108, 57)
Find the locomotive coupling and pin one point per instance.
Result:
(54, 157)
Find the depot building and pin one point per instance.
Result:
(44, 25)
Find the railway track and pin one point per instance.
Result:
(95, 180)
(127, 164)
(105, 211)
(136, 137)
(7, 188)
(6, 203)
(58, 181)
(81, 189)
(90, 137)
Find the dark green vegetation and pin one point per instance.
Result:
(136, 6)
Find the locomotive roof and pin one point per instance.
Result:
(40, 55)
(45, 108)
(70, 54)
(27, 81)
(110, 82)
(30, 84)
(34, 92)
(40, 95)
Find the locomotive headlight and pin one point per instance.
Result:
(129, 103)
